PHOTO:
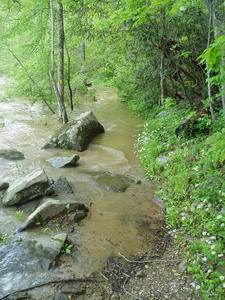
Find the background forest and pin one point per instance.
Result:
(166, 59)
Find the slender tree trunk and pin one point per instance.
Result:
(162, 77)
(223, 84)
(68, 76)
(162, 84)
(61, 59)
(83, 53)
(218, 17)
(59, 95)
(184, 89)
(208, 71)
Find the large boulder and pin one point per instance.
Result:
(50, 208)
(11, 154)
(32, 186)
(76, 134)
(64, 161)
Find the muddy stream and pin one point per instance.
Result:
(125, 222)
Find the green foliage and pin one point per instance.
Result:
(4, 238)
(18, 214)
(78, 84)
(193, 190)
(67, 247)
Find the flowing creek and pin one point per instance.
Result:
(125, 222)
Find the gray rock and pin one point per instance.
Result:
(26, 260)
(63, 162)
(183, 266)
(77, 216)
(158, 202)
(62, 186)
(76, 134)
(30, 206)
(111, 182)
(32, 186)
(11, 154)
(4, 186)
(75, 288)
(50, 208)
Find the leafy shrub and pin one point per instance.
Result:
(194, 192)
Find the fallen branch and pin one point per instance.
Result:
(146, 261)
(31, 79)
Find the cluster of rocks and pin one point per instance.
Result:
(36, 185)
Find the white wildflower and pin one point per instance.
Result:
(213, 252)
(222, 278)
(220, 255)
(204, 233)
(204, 258)
(213, 247)
(197, 287)
(219, 217)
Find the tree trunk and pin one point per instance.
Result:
(83, 53)
(68, 76)
(61, 107)
(61, 60)
(218, 16)
(162, 57)
(162, 77)
(208, 71)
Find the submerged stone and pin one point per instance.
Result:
(50, 208)
(76, 134)
(111, 182)
(64, 162)
(11, 154)
(33, 185)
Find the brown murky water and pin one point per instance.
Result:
(118, 222)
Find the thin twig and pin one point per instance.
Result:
(146, 261)
(104, 276)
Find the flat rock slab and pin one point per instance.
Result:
(62, 186)
(76, 134)
(50, 208)
(11, 154)
(110, 182)
(64, 161)
(33, 185)
(25, 261)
